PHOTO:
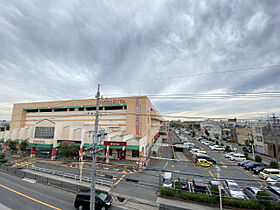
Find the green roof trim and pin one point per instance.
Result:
(77, 129)
(67, 126)
(132, 147)
(9, 140)
(115, 147)
(44, 120)
(2, 140)
(137, 139)
(117, 136)
(62, 107)
(42, 146)
(87, 145)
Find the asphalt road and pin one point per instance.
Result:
(17, 193)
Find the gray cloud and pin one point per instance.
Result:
(54, 50)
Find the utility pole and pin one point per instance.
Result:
(95, 143)
(220, 190)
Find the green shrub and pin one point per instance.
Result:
(247, 204)
(249, 158)
(258, 159)
(3, 160)
(2, 156)
(167, 191)
(198, 197)
(227, 149)
(222, 144)
(177, 185)
(246, 154)
(274, 164)
(217, 143)
(272, 206)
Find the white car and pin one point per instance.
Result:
(237, 157)
(273, 180)
(219, 148)
(212, 147)
(227, 155)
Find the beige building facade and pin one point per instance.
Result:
(131, 123)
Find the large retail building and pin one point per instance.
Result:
(131, 123)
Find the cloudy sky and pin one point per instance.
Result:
(56, 50)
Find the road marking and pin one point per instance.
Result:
(26, 196)
(117, 182)
(124, 172)
(176, 171)
(172, 166)
(211, 174)
(130, 171)
(186, 165)
(261, 183)
(29, 180)
(165, 164)
(224, 166)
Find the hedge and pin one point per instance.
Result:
(231, 202)
(3, 160)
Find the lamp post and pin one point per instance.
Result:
(253, 151)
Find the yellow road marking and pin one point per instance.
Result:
(124, 172)
(117, 182)
(26, 196)
(130, 171)
(211, 174)
(261, 183)
(224, 166)
(165, 164)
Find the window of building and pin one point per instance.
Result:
(135, 153)
(71, 109)
(81, 109)
(44, 132)
(90, 108)
(110, 152)
(259, 138)
(60, 110)
(45, 110)
(258, 130)
(125, 106)
(113, 107)
(32, 110)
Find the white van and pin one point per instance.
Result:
(268, 172)
(237, 157)
(167, 179)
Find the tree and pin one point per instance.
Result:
(207, 133)
(67, 150)
(23, 145)
(12, 145)
(258, 159)
(274, 164)
(193, 133)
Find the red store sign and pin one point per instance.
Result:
(110, 143)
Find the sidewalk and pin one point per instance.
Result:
(176, 204)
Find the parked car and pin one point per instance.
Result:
(237, 157)
(259, 169)
(102, 200)
(252, 165)
(204, 162)
(251, 192)
(215, 183)
(199, 186)
(212, 146)
(273, 180)
(227, 155)
(203, 156)
(167, 180)
(274, 192)
(233, 190)
(268, 172)
(244, 162)
(219, 148)
(184, 183)
(207, 143)
(247, 149)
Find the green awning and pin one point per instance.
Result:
(9, 139)
(2, 140)
(115, 147)
(132, 147)
(16, 140)
(43, 146)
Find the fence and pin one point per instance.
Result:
(52, 181)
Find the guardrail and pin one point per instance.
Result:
(69, 175)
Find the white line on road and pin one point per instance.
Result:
(29, 180)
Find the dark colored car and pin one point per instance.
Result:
(199, 186)
(259, 169)
(242, 163)
(247, 149)
(201, 156)
(252, 165)
(251, 192)
(102, 200)
(184, 183)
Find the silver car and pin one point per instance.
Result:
(233, 190)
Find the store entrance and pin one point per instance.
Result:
(121, 154)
